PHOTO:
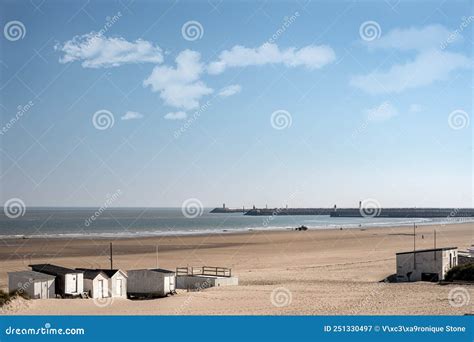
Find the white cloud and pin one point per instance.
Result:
(426, 68)
(230, 90)
(176, 116)
(180, 87)
(311, 56)
(415, 108)
(382, 112)
(419, 39)
(96, 51)
(131, 115)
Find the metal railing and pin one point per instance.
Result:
(204, 271)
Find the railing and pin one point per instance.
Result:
(204, 271)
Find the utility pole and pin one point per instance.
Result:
(435, 244)
(157, 256)
(414, 246)
(111, 258)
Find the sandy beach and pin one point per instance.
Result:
(314, 272)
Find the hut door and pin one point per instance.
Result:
(101, 288)
(119, 287)
(44, 290)
(74, 284)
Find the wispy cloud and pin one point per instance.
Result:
(176, 116)
(383, 112)
(230, 90)
(430, 64)
(426, 68)
(311, 57)
(413, 38)
(131, 115)
(96, 51)
(180, 87)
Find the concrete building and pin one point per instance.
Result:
(96, 283)
(36, 285)
(200, 278)
(150, 283)
(426, 264)
(68, 282)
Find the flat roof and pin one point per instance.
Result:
(428, 250)
(53, 269)
(33, 275)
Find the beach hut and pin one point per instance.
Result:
(426, 264)
(96, 284)
(117, 281)
(151, 283)
(36, 285)
(68, 282)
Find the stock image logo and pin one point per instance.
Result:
(103, 119)
(370, 208)
(192, 30)
(281, 119)
(458, 297)
(14, 30)
(458, 119)
(281, 297)
(370, 30)
(14, 208)
(192, 208)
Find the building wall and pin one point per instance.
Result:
(148, 282)
(114, 287)
(30, 287)
(436, 262)
(69, 283)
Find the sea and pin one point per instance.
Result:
(143, 222)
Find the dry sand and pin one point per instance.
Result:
(315, 272)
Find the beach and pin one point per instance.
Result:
(314, 272)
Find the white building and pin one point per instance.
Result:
(426, 264)
(117, 281)
(68, 282)
(151, 283)
(36, 285)
(96, 284)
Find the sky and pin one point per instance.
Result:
(302, 103)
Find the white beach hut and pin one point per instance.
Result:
(96, 284)
(117, 282)
(68, 282)
(36, 285)
(151, 283)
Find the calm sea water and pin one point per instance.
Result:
(129, 222)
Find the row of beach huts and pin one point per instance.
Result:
(52, 281)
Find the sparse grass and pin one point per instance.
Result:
(6, 297)
(461, 272)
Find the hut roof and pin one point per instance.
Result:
(53, 269)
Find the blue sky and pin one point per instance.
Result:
(298, 103)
